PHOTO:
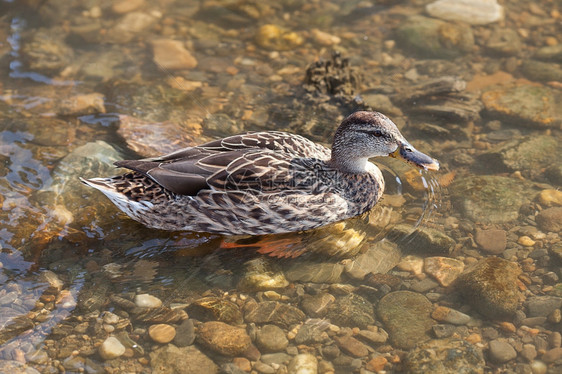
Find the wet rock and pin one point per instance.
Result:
(52, 280)
(185, 334)
(323, 38)
(12, 366)
(542, 71)
(317, 305)
(423, 240)
(448, 315)
(147, 301)
(550, 197)
(501, 351)
(303, 363)
(542, 306)
(262, 274)
(81, 104)
(445, 356)
(274, 312)
(312, 332)
(151, 139)
(162, 333)
(351, 346)
(551, 52)
(492, 241)
(352, 311)
(129, 27)
(552, 355)
(380, 257)
(406, 316)
(490, 287)
(550, 219)
(524, 154)
(172, 55)
(529, 352)
(504, 42)
(529, 105)
(215, 309)
(490, 198)
(444, 269)
(126, 6)
(275, 38)
(111, 348)
(315, 272)
(170, 359)
(478, 12)
(271, 338)
(374, 336)
(47, 51)
(434, 38)
(224, 339)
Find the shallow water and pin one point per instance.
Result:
(84, 84)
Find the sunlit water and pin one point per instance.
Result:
(49, 221)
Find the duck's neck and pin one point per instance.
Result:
(348, 165)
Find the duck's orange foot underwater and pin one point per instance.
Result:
(280, 248)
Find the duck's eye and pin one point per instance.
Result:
(377, 133)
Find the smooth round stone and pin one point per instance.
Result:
(493, 241)
(490, 286)
(224, 339)
(162, 333)
(538, 367)
(147, 301)
(111, 348)
(474, 12)
(552, 355)
(550, 197)
(271, 338)
(303, 363)
(445, 314)
(501, 352)
(110, 318)
(550, 219)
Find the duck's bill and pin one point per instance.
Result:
(412, 156)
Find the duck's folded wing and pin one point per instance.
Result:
(258, 170)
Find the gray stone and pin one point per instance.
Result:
(445, 356)
(279, 314)
(351, 311)
(490, 198)
(423, 239)
(170, 359)
(311, 333)
(271, 338)
(380, 257)
(504, 42)
(524, 154)
(490, 287)
(551, 52)
(185, 334)
(276, 358)
(501, 351)
(406, 316)
(542, 306)
(542, 71)
(434, 38)
(317, 305)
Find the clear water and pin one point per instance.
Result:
(54, 51)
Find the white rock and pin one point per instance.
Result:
(111, 348)
(474, 12)
(147, 301)
(303, 363)
(110, 318)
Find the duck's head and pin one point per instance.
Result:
(363, 135)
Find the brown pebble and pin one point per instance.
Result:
(162, 333)
(376, 364)
(507, 326)
(242, 363)
(555, 340)
(552, 355)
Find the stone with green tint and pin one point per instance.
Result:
(406, 317)
(528, 154)
(490, 198)
(434, 38)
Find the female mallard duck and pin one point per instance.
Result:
(262, 182)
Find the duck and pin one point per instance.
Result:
(266, 182)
